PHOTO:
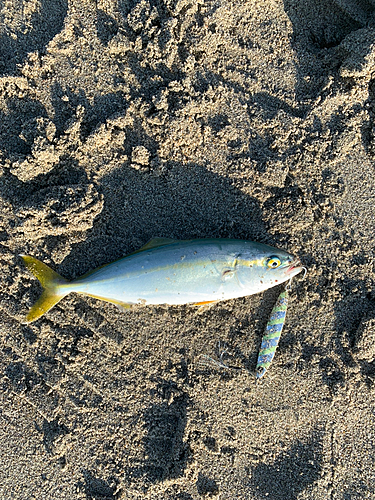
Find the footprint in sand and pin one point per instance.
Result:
(27, 26)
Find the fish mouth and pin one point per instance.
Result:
(295, 268)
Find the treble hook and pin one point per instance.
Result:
(289, 284)
(304, 275)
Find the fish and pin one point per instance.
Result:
(173, 272)
(272, 334)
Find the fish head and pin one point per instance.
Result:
(263, 266)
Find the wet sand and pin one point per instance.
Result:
(126, 120)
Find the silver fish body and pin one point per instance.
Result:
(188, 272)
(177, 272)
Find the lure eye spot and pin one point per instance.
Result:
(273, 262)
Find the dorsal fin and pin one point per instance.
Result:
(155, 242)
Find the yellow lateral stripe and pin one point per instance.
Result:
(149, 271)
(249, 263)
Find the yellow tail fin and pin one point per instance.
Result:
(50, 281)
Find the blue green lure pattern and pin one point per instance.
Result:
(272, 334)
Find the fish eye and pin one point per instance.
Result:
(273, 262)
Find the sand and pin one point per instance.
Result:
(126, 120)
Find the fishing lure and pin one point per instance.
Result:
(272, 334)
(270, 339)
(166, 271)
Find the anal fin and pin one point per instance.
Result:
(204, 303)
(122, 306)
(204, 306)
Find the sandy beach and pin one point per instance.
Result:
(125, 120)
